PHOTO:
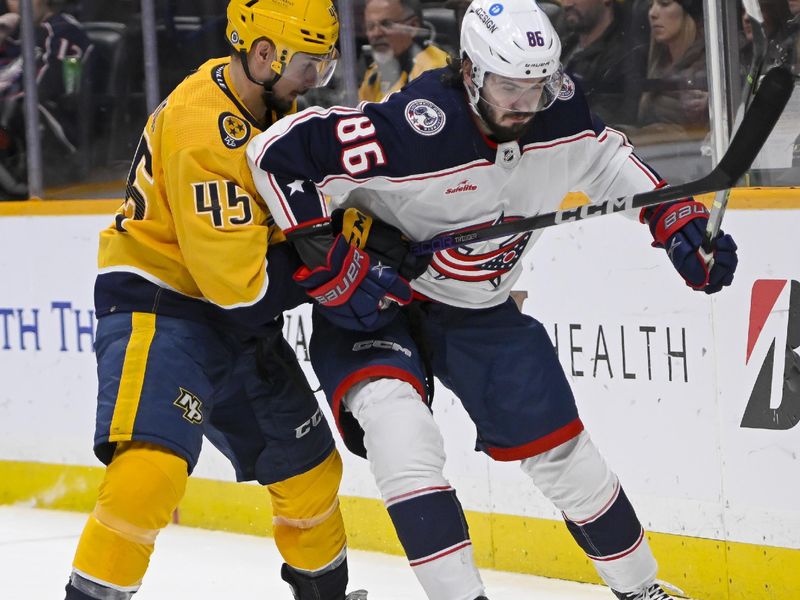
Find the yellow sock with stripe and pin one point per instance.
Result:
(308, 525)
(142, 487)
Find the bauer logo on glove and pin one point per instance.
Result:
(352, 292)
(338, 291)
(678, 227)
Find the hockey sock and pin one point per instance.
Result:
(613, 539)
(308, 525)
(599, 516)
(142, 487)
(406, 453)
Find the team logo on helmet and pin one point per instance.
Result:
(567, 88)
(234, 130)
(425, 117)
(235, 37)
(495, 9)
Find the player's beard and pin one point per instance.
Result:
(502, 133)
(276, 103)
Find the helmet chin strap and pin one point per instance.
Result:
(267, 85)
(474, 95)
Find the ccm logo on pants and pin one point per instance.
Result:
(381, 345)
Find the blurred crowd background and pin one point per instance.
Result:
(643, 64)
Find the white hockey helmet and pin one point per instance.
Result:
(513, 39)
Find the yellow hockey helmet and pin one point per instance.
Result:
(307, 27)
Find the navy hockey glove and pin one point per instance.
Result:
(678, 227)
(353, 291)
(382, 241)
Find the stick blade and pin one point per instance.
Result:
(766, 108)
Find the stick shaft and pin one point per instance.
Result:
(759, 57)
(758, 121)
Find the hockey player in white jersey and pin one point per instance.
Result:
(502, 134)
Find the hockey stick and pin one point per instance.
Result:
(767, 106)
(720, 203)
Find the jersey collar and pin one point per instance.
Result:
(219, 74)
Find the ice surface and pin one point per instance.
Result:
(36, 548)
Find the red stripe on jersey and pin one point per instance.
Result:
(432, 557)
(472, 165)
(620, 554)
(287, 212)
(560, 142)
(602, 511)
(420, 492)
(376, 371)
(543, 444)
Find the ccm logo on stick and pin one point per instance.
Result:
(590, 210)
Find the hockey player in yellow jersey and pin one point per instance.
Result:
(193, 279)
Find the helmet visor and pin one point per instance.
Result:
(521, 95)
(311, 70)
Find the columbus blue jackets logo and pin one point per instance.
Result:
(234, 130)
(567, 88)
(487, 261)
(425, 117)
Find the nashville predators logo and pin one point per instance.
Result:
(191, 406)
(234, 130)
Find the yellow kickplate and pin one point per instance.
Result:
(705, 569)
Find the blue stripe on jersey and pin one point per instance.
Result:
(429, 524)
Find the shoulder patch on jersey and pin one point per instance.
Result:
(235, 131)
(425, 117)
(567, 88)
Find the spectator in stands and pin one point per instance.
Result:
(599, 54)
(780, 28)
(9, 23)
(61, 50)
(396, 35)
(677, 83)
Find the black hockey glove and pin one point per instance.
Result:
(383, 242)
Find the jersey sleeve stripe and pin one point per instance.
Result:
(558, 142)
(306, 225)
(285, 208)
(657, 181)
(323, 202)
(417, 177)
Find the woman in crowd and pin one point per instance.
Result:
(677, 85)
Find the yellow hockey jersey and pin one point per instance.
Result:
(192, 231)
(370, 90)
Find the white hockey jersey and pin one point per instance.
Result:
(419, 162)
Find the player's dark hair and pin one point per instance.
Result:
(452, 77)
